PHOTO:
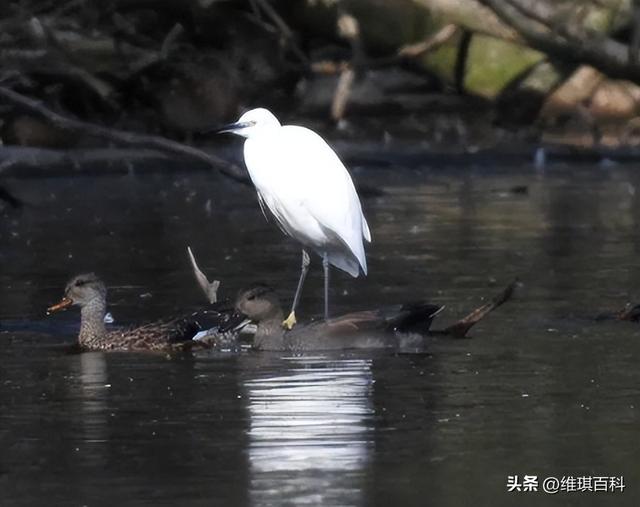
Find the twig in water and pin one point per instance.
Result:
(210, 289)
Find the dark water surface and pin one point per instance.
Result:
(541, 389)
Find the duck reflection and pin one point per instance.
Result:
(310, 434)
(94, 389)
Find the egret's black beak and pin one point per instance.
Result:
(230, 127)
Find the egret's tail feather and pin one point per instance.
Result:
(347, 263)
(366, 233)
(350, 258)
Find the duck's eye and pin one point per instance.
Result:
(80, 283)
(251, 297)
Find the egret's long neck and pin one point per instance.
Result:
(269, 334)
(92, 326)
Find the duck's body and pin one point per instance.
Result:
(88, 292)
(393, 327)
(154, 336)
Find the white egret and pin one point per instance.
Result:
(309, 192)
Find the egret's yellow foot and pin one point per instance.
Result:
(290, 321)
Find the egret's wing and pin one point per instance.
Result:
(262, 206)
(274, 212)
(329, 194)
(308, 190)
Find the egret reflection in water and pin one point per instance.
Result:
(93, 393)
(310, 430)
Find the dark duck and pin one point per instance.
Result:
(394, 327)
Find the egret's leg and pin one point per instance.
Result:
(291, 319)
(325, 266)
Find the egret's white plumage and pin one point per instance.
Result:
(301, 180)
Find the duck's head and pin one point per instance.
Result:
(81, 290)
(251, 122)
(259, 303)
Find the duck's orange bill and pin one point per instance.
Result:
(64, 303)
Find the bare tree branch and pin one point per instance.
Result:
(403, 54)
(120, 136)
(472, 15)
(605, 54)
(284, 29)
(438, 39)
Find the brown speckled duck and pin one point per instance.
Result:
(90, 294)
